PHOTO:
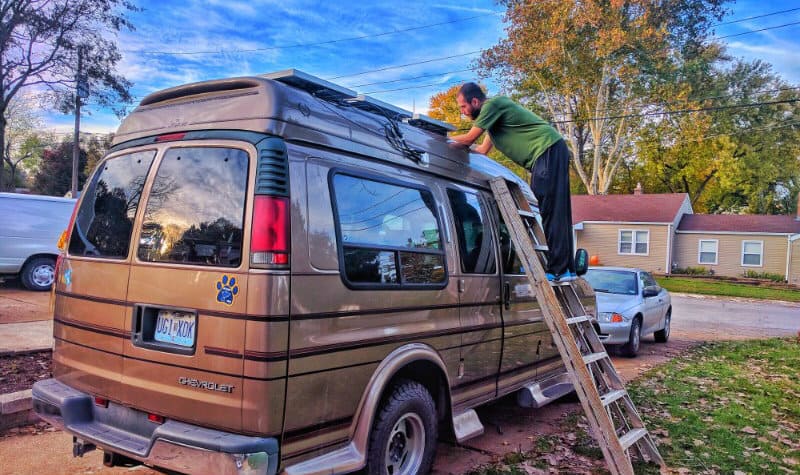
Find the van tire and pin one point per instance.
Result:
(38, 273)
(404, 434)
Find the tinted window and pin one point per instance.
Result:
(195, 209)
(389, 233)
(474, 237)
(104, 222)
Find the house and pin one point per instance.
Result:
(734, 244)
(660, 232)
(635, 230)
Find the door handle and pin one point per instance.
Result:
(507, 296)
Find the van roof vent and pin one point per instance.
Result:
(334, 93)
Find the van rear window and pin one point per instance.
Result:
(195, 208)
(104, 221)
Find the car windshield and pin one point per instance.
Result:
(612, 281)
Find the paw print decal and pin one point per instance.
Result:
(227, 290)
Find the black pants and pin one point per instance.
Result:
(550, 184)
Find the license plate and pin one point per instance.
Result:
(177, 328)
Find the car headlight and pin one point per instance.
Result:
(609, 317)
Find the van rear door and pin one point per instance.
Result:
(90, 309)
(189, 286)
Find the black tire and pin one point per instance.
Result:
(631, 348)
(403, 438)
(38, 273)
(662, 336)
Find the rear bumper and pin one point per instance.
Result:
(173, 445)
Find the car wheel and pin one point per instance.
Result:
(631, 348)
(662, 336)
(403, 439)
(38, 273)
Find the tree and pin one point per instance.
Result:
(41, 40)
(728, 158)
(55, 171)
(96, 147)
(20, 139)
(590, 65)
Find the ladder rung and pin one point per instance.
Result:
(632, 437)
(526, 214)
(582, 318)
(592, 357)
(541, 247)
(608, 398)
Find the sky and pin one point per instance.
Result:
(177, 42)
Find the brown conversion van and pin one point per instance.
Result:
(274, 274)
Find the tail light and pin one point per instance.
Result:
(155, 418)
(100, 401)
(62, 239)
(269, 239)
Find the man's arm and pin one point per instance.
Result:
(469, 138)
(485, 146)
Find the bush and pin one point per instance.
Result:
(693, 271)
(751, 274)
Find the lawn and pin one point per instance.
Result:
(725, 408)
(730, 289)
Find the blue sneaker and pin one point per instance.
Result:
(567, 277)
(550, 277)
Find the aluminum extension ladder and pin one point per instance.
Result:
(614, 421)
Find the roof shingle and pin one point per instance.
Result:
(744, 223)
(644, 208)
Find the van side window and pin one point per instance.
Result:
(508, 255)
(389, 234)
(104, 221)
(474, 238)
(195, 208)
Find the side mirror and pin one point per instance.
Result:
(651, 291)
(581, 261)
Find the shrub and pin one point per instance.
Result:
(693, 271)
(751, 274)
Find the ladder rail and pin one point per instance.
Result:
(590, 369)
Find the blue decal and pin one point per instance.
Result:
(68, 277)
(227, 290)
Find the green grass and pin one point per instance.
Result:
(730, 289)
(722, 408)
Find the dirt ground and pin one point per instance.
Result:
(18, 305)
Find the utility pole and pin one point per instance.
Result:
(81, 91)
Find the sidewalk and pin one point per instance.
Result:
(26, 324)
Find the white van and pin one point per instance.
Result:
(30, 226)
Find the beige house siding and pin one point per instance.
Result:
(729, 252)
(794, 267)
(602, 240)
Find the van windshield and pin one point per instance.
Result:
(104, 221)
(195, 208)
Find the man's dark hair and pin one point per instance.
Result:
(470, 91)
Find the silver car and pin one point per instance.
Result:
(30, 226)
(629, 304)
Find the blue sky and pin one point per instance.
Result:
(235, 38)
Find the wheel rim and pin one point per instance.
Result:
(636, 336)
(666, 325)
(406, 446)
(42, 275)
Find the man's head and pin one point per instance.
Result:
(470, 99)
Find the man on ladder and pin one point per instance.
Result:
(530, 141)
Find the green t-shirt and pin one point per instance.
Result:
(517, 132)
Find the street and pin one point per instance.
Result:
(507, 427)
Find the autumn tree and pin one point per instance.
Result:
(40, 45)
(20, 142)
(591, 66)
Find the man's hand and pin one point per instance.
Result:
(469, 138)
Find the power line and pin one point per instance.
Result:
(757, 16)
(432, 60)
(318, 43)
(683, 111)
(756, 31)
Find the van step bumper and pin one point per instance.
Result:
(173, 445)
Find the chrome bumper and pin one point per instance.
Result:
(172, 445)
